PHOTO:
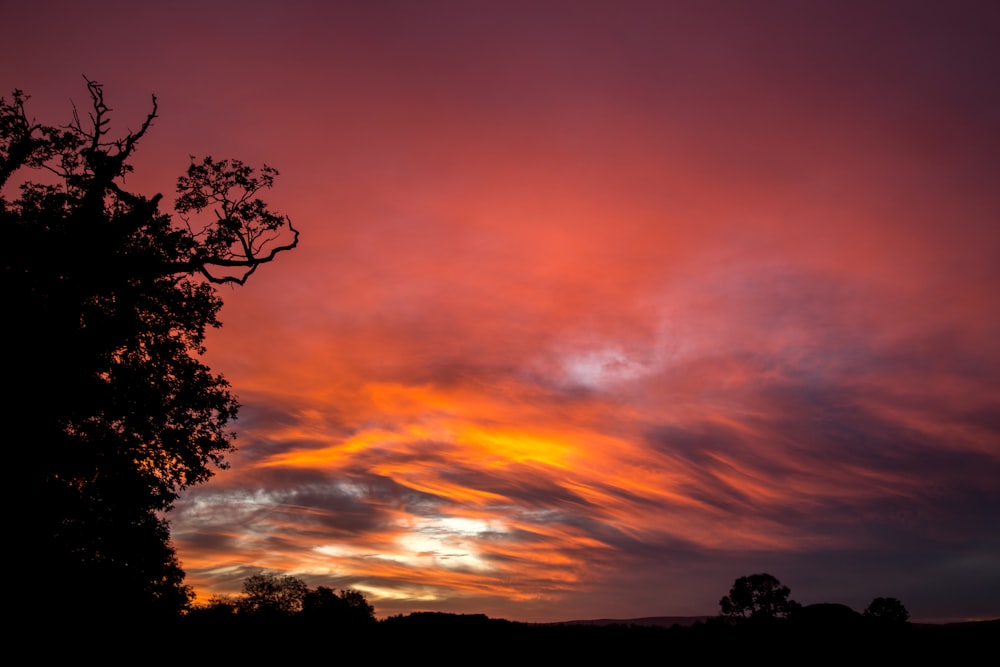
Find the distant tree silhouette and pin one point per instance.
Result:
(757, 596)
(218, 609)
(888, 611)
(349, 607)
(109, 413)
(360, 611)
(221, 605)
(272, 594)
(323, 602)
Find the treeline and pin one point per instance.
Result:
(278, 618)
(273, 596)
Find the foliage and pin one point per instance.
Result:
(218, 609)
(349, 607)
(112, 413)
(887, 610)
(757, 596)
(266, 593)
(285, 595)
(222, 605)
(358, 605)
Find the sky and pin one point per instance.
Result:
(598, 306)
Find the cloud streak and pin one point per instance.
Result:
(795, 433)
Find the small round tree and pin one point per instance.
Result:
(757, 596)
(888, 611)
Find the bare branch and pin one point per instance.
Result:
(250, 263)
(244, 233)
(240, 232)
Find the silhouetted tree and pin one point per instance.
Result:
(757, 596)
(109, 411)
(266, 593)
(359, 610)
(887, 610)
(220, 605)
(323, 602)
(349, 607)
(218, 609)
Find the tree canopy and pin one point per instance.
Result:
(757, 596)
(272, 594)
(112, 412)
(888, 611)
(269, 595)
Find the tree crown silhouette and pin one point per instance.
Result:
(888, 611)
(757, 596)
(113, 413)
(267, 593)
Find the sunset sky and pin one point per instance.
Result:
(599, 305)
